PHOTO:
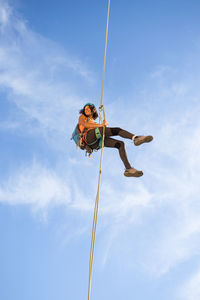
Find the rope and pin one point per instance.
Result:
(101, 108)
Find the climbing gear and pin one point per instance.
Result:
(132, 172)
(140, 139)
(88, 150)
(98, 138)
(76, 135)
(101, 108)
(79, 137)
(79, 140)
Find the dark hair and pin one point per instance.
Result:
(93, 110)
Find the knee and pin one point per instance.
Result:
(119, 144)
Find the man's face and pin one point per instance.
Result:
(87, 110)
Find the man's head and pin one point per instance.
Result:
(89, 110)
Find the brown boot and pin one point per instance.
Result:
(132, 172)
(140, 139)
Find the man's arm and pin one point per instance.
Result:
(90, 125)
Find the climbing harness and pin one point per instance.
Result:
(81, 142)
(101, 109)
(98, 138)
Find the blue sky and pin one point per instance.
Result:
(148, 232)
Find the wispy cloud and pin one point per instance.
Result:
(38, 74)
(191, 288)
(8, 125)
(5, 12)
(36, 186)
(160, 211)
(172, 165)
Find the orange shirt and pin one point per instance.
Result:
(81, 127)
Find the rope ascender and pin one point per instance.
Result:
(101, 109)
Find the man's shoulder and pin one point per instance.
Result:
(82, 118)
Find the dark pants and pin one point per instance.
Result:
(112, 143)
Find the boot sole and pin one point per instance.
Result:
(147, 139)
(136, 174)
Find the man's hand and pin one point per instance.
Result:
(105, 123)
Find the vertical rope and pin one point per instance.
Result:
(101, 108)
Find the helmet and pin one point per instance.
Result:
(90, 104)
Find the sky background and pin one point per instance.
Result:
(148, 233)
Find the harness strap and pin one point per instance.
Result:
(98, 137)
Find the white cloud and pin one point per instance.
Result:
(191, 288)
(161, 71)
(169, 191)
(39, 76)
(174, 170)
(168, 200)
(36, 186)
(5, 12)
(8, 125)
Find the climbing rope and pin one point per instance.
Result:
(101, 108)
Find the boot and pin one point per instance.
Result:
(132, 172)
(140, 139)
